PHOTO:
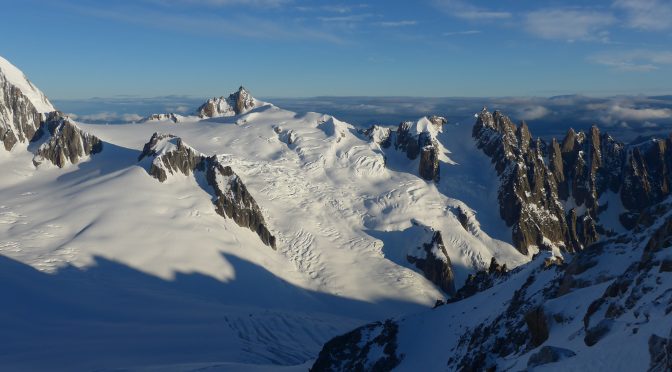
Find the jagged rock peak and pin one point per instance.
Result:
(175, 118)
(378, 134)
(170, 155)
(236, 103)
(12, 75)
(21, 105)
(66, 142)
(433, 260)
(234, 201)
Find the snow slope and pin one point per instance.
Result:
(601, 311)
(139, 273)
(18, 79)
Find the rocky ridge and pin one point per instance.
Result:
(170, 155)
(548, 311)
(415, 139)
(65, 141)
(552, 193)
(19, 118)
(175, 118)
(236, 103)
(433, 261)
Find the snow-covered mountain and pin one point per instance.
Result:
(247, 236)
(597, 296)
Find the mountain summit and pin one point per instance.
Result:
(10, 74)
(236, 103)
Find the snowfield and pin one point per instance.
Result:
(104, 267)
(248, 237)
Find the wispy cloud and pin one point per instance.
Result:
(100, 116)
(532, 112)
(465, 10)
(569, 24)
(397, 23)
(346, 18)
(633, 60)
(651, 15)
(641, 114)
(222, 3)
(333, 8)
(458, 33)
(212, 25)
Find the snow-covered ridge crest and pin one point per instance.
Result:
(175, 118)
(170, 156)
(17, 78)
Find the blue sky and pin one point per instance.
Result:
(299, 48)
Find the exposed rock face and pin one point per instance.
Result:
(234, 201)
(379, 135)
(539, 180)
(435, 263)
(419, 138)
(635, 290)
(372, 347)
(429, 162)
(19, 119)
(414, 139)
(646, 174)
(237, 103)
(549, 354)
(528, 195)
(175, 118)
(481, 280)
(170, 155)
(592, 165)
(626, 275)
(67, 143)
(537, 324)
(660, 349)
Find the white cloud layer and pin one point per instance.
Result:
(252, 3)
(532, 112)
(569, 24)
(633, 60)
(651, 15)
(465, 10)
(640, 114)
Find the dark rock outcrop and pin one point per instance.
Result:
(528, 195)
(414, 139)
(435, 264)
(549, 354)
(379, 135)
(236, 103)
(170, 155)
(175, 118)
(660, 350)
(19, 119)
(481, 280)
(429, 162)
(539, 180)
(537, 324)
(66, 143)
(372, 347)
(234, 201)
